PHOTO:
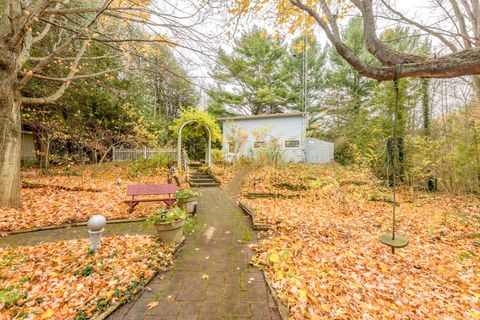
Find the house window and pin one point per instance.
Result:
(231, 147)
(292, 144)
(259, 144)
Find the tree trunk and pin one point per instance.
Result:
(432, 181)
(476, 86)
(44, 150)
(10, 142)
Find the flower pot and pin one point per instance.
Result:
(170, 232)
(189, 204)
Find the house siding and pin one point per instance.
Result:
(319, 151)
(28, 146)
(278, 129)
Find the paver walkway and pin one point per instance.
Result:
(218, 249)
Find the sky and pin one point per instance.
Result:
(212, 32)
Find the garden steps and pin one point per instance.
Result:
(205, 184)
(200, 178)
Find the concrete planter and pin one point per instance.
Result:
(189, 204)
(170, 232)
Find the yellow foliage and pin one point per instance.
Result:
(288, 16)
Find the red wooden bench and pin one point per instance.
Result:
(150, 189)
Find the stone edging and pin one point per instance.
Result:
(105, 314)
(282, 308)
(251, 212)
(75, 224)
(257, 195)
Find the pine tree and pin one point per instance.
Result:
(253, 79)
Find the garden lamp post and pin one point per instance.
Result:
(96, 225)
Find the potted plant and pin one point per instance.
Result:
(168, 223)
(187, 199)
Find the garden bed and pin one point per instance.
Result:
(224, 172)
(61, 199)
(60, 280)
(325, 261)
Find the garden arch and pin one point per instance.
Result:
(208, 152)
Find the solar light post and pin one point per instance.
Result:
(96, 225)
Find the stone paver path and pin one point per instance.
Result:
(211, 278)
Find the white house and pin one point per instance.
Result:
(248, 135)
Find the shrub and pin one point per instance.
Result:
(217, 155)
(148, 167)
(163, 216)
(30, 163)
(184, 194)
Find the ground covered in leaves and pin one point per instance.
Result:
(73, 195)
(61, 280)
(225, 172)
(323, 254)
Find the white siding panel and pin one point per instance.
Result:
(28, 146)
(280, 129)
(319, 151)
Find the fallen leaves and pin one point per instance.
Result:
(325, 261)
(47, 206)
(152, 304)
(224, 171)
(47, 314)
(61, 280)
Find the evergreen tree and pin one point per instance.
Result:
(253, 79)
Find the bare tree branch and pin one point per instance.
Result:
(462, 24)
(374, 45)
(58, 94)
(83, 76)
(45, 30)
(41, 65)
(104, 57)
(461, 63)
(436, 34)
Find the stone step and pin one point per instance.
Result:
(200, 180)
(200, 175)
(204, 184)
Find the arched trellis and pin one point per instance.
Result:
(208, 153)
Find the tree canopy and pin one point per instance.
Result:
(265, 75)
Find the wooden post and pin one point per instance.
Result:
(113, 154)
(144, 152)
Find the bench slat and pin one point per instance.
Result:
(148, 200)
(150, 189)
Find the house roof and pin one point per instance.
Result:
(263, 116)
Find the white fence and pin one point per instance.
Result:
(121, 155)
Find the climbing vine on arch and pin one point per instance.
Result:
(194, 134)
